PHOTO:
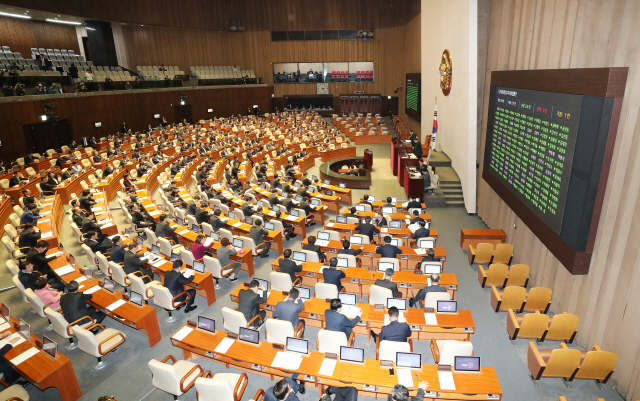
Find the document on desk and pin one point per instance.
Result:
(24, 356)
(61, 271)
(322, 242)
(80, 279)
(328, 366)
(430, 319)
(116, 305)
(405, 377)
(290, 218)
(183, 232)
(413, 227)
(446, 380)
(159, 263)
(92, 290)
(384, 230)
(188, 273)
(420, 251)
(350, 311)
(56, 254)
(329, 224)
(237, 224)
(11, 337)
(154, 213)
(287, 360)
(208, 242)
(4, 326)
(182, 333)
(224, 345)
(96, 209)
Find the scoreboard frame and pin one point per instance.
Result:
(596, 82)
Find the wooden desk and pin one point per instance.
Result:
(6, 208)
(111, 185)
(43, 371)
(359, 279)
(396, 148)
(257, 360)
(306, 163)
(405, 163)
(344, 194)
(16, 192)
(42, 164)
(338, 153)
(474, 236)
(451, 326)
(141, 318)
(52, 213)
(371, 139)
(72, 186)
(413, 185)
(393, 216)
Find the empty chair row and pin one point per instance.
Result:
(500, 275)
(560, 327)
(517, 298)
(486, 253)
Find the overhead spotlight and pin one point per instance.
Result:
(183, 99)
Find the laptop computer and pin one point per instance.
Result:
(343, 262)
(305, 292)
(249, 336)
(387, 210)
(155, 249)
(426, 243)
(341, 220)
(180, 221)
(195, 228)
(206, 324)
(355, 240)
(198, 266)
(447, 307)
(352, 354)
(347, 298)
(395, 224)
(24, 329)
(400, 303)
(248, 220)
(136, 298)
(299, 257)
(298, 345)
(359, 208)
(408, 360)
(431, 267)
(467, 364)
(109, 285)
(383, 266)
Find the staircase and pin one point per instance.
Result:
(449, 193)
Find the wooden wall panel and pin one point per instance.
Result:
(134, 108)
(22, 35)
(574, 34)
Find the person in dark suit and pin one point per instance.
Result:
(134, 262)
(273, 200)
(401, 393)
(36, 255)
(414, 204)
(191, 206)
(163, 228)
(88, 225)
(29, 158)
(30, 215)
(346, 249)
(336, 321)
(27, 198)
(28, 277)
(202, 216)
(257, 233)
(305, 180)
(96, 157)
(288, 202)
(117, 250)
(367, 229)
(141, 220)
(380, 220)
(285, 389)
(223, 253)
(288, 266)
(86, 202)
(175, 281)
(128, 183)
(216, 222)
(91, 240)
(311, 246)
(288, 228)
(290, 308)
(421, 232)
(434, 287)
(352, 213)
(16, 179)
(395, 330)
(249, 302)
(417, 147)
(365, 200)
(333, 275)
(416, 218)
(28, 237)
(77, 216)
(387, 250)
(387, 283)
(246, 207)
(74, 305)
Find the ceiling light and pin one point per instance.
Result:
(63, 22)
(15, 15)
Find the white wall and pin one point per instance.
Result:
(452, 25)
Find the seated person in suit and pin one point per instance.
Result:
(135, 263)
(249, 302)
(28, 237)
(257, 233)
(346, 249)
(36, 255)
(434, 287)
(421, 232)
(223, 253)
(352, 213)
(288, 228)
(216, 222)
(367, 229)
(28, 277)
(91, 240)
(365, 200)
(89, 224)
(199, 249)
(290, 308)
(285, 389)
(16, 179)
(395, 330)
(273, 200)
(336, 321)
(380, 220)
(96, 157)
(387, 283)
(311, 246)
(202, 216)
(86, 202)
(416, 217)
(163, 228)
(27, 198)
(414, 204)
(401, 393)
(74, 306)
(387, 250)
(175, 281)
(333, 275)
(389, 204)
(246, 207)
(286, 265)
(117, 250)
(30, 215)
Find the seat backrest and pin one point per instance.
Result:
(187, 257)
(278, 331)
(533, 325)
(388, 350)
(58, 322)
(165, 377)
(214, 389)
(432, 298)
(87, 341)
(379, 295)
(597, 365)
(333, 235)
(103, 263)
(224, 233)
(326, 291)
(35, 301)
(562, 363)
(280, 281)
(137, 284)
(20, 288)
(562, 326)
(503, 253)
(77, 232)
(117, 273)
(513, 298)
(151, 237)
(537, 299)
(449, 349)
(331, 341)
(351, 260)
(484, 252)
(518, 275)
(165, 246)
(311, 256)
(233, 320)
(162, 297)
(90, 255)
(497, 274)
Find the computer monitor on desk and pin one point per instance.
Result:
(136, 298)
(298, 345)
(343, 262)
(24, 329)
(249, 336)
(383, 266)
(347, 299)
(355, 240)
(426, 243)
(6, 313)
(447, 307)
(180, 221)
(408, 360)
(399, 303)
(351, 354)
(49, 347)
(305, 292)
(206, 324)
(468, 364)
(341, 220)
(198, 266)
(299, 256)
